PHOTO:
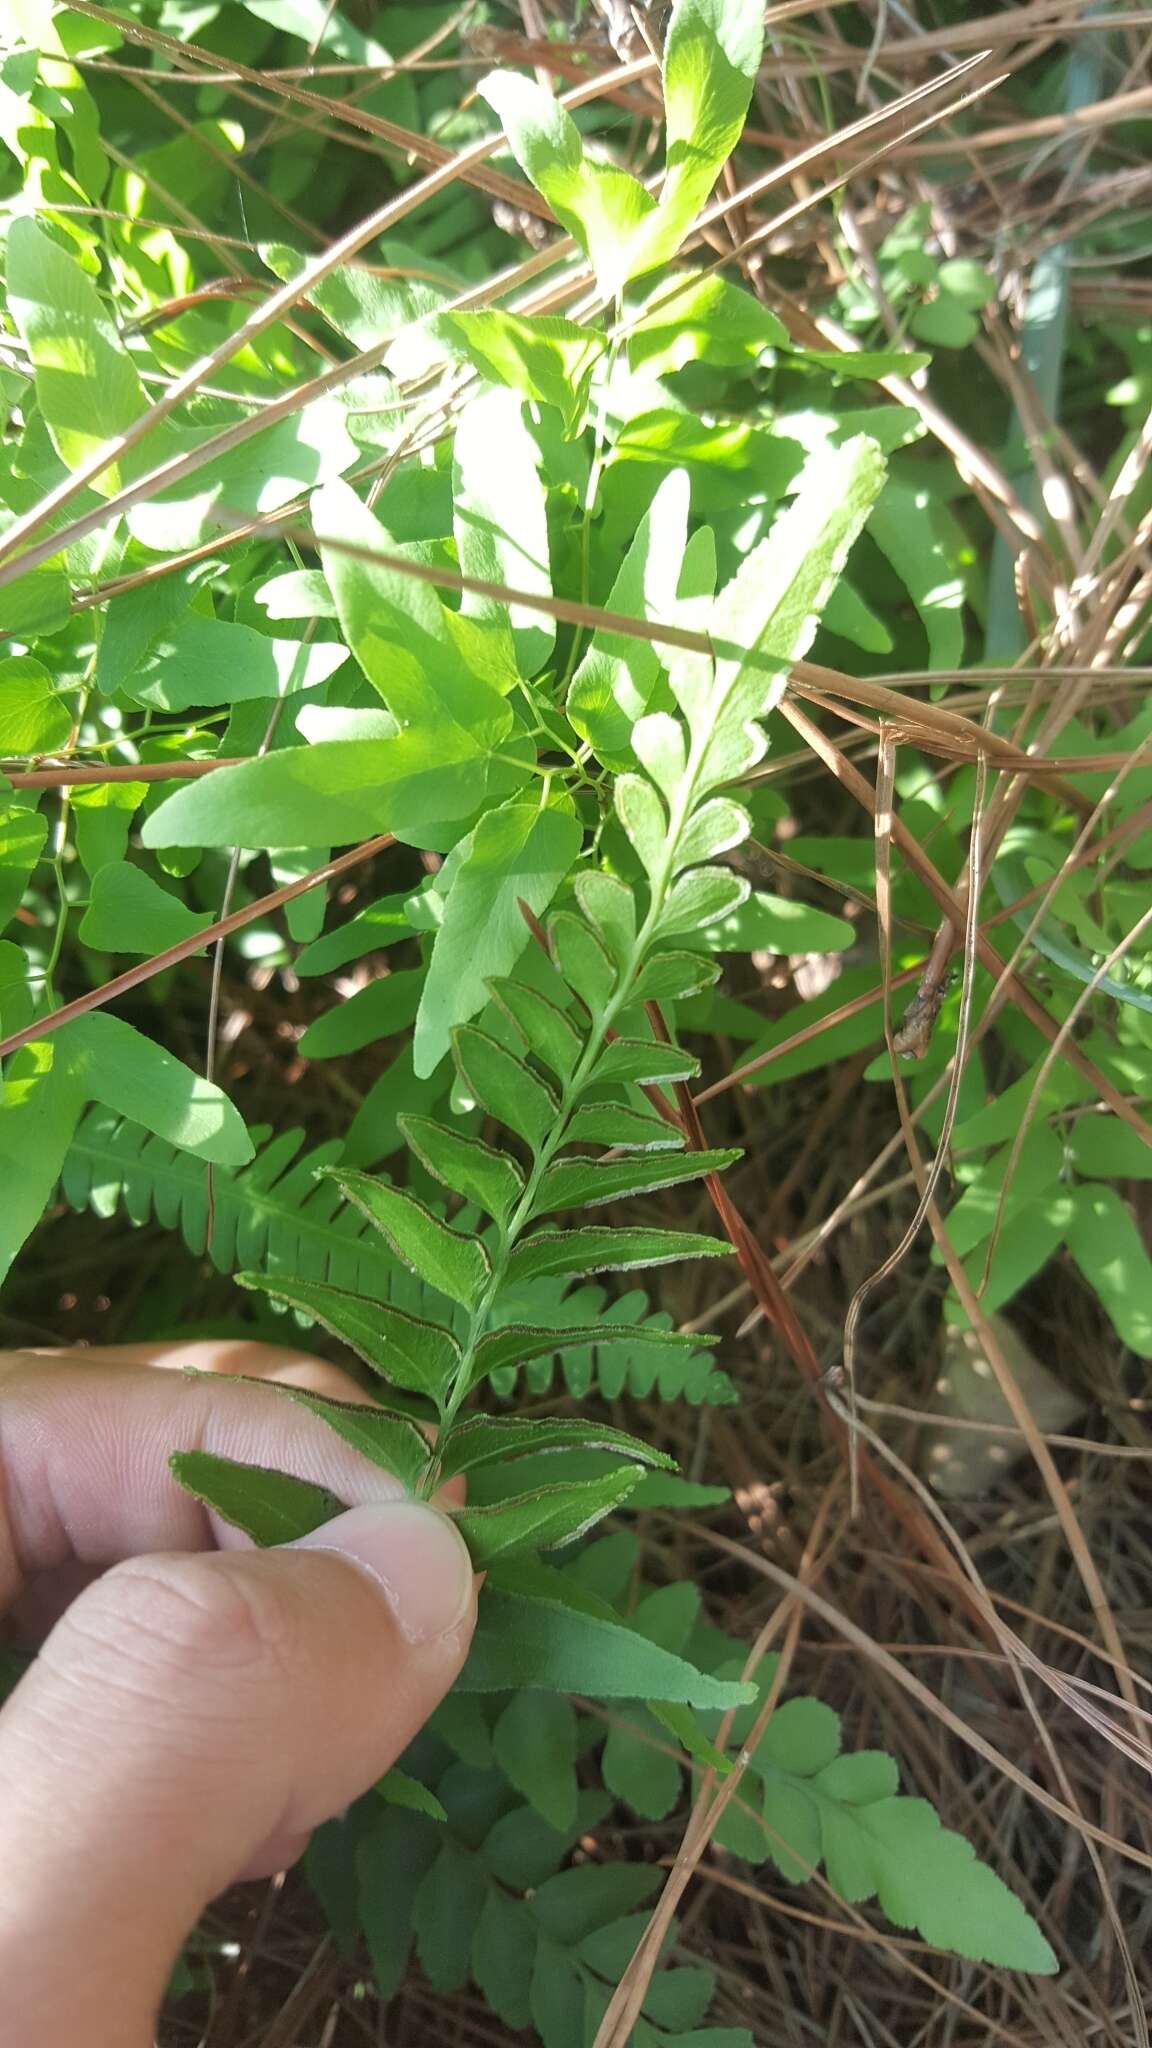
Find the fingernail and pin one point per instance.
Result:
(418, 1560)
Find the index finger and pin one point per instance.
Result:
(84, 1447)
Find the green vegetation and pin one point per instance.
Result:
(488, 669)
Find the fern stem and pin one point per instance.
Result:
(571, 1091)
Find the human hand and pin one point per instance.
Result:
(199, 1706)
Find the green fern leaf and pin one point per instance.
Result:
(456, 1265)
(490, 1179)
(272, 1212)
(607, 1251)
(419, 1356)
(582, 1183)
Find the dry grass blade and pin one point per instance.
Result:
(885, 787)
(272, 309)
(186, 949)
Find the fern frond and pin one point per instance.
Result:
(273, 1214)
(620, 1361)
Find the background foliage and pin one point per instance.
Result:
(369, 410)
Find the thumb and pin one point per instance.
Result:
(191, 1719)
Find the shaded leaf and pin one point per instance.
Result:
(582, 960)
(535, 1745)
(700, 898)
(645, 1059)
(667, 976)
(637, 1767)
(530, 1635)
(540, 1521)
(504, 1085)
(517, 1343)
(386, 1439)
(381, 1009)
(445, 1914)
(393, 1855)
(129, 912)
(607, 1251)
(859, 1776)
(582, 1183)
(546, 1031)
(483, 1438)
(576, 1903)
(681, 1723)
(624, 1128)
(503, 1957)
(802, 1736)
(792, 1828)
(396, 1788)
(608, 904)
(490, 1179)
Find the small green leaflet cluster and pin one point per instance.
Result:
(813, 1806)
(711, 56)
(469, 1876)
(802, 1803)
(484, 1896)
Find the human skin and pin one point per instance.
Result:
(197, 1706)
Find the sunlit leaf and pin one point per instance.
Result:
(596, 202)
(546, 358)
(702, 320)
(518, 853)
(503, 1084)
(86, 382)
(33, 719)
(337, 793)
(457, 1265)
